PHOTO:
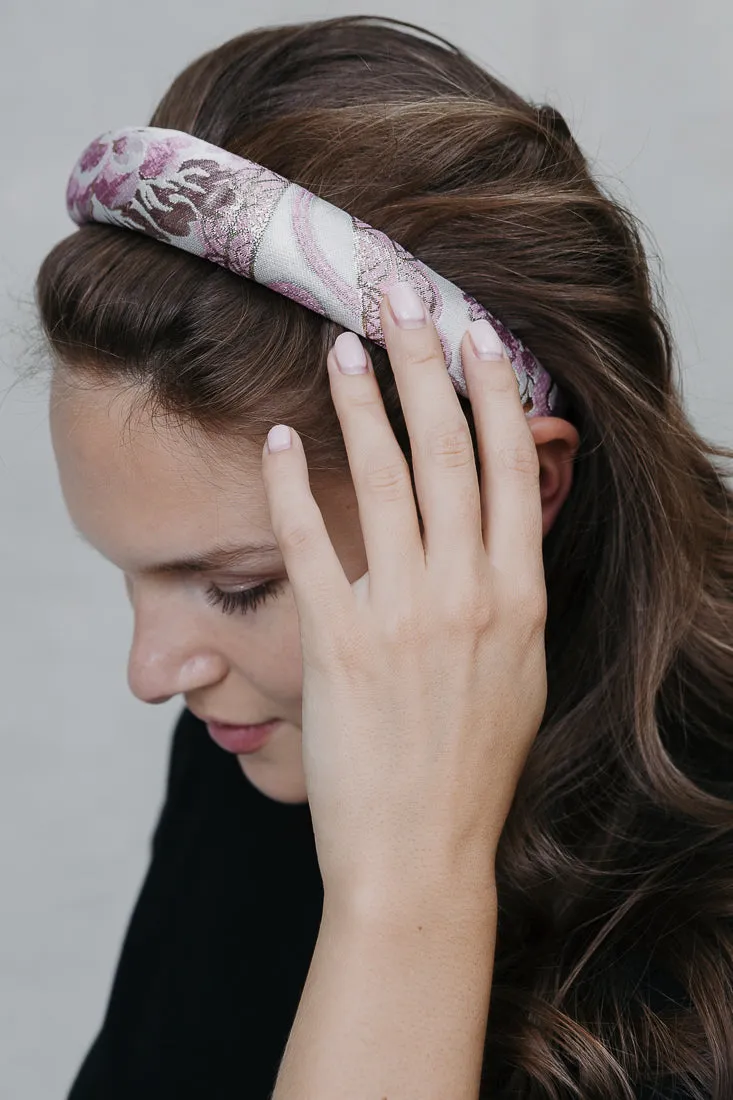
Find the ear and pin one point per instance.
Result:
(557, 442)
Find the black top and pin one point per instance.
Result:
(218, 948)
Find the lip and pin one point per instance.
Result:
(233, 725)
(208, 718)
(241, 739)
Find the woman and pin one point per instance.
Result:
(582, 880)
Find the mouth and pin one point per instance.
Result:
(239, 725)
(241, 740)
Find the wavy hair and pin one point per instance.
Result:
(616, 861)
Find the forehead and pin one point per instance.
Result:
(137, 486)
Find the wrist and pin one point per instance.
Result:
(395, 907)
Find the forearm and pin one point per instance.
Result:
(395, 1004)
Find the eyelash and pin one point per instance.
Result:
(247, 600)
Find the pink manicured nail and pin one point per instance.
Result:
(350, 353)
(485, 340)
(406, 306)
(278, 438)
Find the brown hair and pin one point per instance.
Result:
(617, 858)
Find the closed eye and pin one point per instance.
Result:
(246, 599)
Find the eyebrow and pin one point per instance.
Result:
(219, 556)
(216, 557)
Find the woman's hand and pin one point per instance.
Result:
(424, 682)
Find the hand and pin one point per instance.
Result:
(424, 682)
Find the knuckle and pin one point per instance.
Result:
(529, 605)
(349, 649)
(403, 626)
(520, 458)
(296, 534)
(387, 480)
(466, 606)
(451, 444)
(366, 399)
(419, 356)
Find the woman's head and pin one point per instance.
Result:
(147, 494)
(169, 371)
(235, 674)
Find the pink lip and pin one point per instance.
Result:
(241, 739)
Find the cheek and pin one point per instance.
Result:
(269, 655)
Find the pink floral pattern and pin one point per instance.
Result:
(238, 214)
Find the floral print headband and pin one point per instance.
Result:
(237, 213)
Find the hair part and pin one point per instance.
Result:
(619, 843)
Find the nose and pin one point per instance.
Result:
(169, 655)
(158, 679)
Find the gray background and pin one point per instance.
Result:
(647, 88)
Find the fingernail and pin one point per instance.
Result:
(485, 340)
(278, 438)
(406, 306)
(350, 353)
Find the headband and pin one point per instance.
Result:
(258, 224)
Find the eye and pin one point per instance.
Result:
(247, 599)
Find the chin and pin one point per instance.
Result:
(275, 780)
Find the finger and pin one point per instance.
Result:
(446, 477)
(321, 589)
(379, 470)
(511, 504)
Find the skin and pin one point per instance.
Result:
(143, 493)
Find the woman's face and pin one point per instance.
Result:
(147, 495)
